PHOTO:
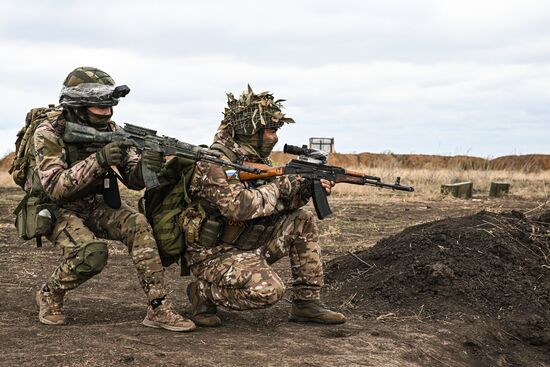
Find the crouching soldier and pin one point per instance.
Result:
(74, 177)
(235, 230)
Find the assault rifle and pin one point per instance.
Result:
(147, 139)
(311, 164)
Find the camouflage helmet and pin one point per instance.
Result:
(88, 86)
(252, 112)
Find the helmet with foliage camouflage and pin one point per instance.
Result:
(252, 112)
(88, 86)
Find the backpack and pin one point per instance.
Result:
(34, 212)
(163, 206)
(24, 156)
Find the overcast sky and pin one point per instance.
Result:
(436, 77)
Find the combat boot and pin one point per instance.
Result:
(203, 310)
(165, 317)
(51, 307)
(314, 311)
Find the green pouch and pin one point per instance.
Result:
(21, 220)
(210, 233)
(168, 234)
(34, 218)
(251, 237)
(45, 218)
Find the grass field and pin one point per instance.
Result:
(427, 182)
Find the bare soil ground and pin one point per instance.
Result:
(104, 315)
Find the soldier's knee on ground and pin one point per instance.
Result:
(90, 260)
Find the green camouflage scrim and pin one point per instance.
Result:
(84, 218)
(244, 279)
(251, 112)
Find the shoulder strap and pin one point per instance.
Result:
(226, 151)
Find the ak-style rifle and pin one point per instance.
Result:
(312, 164)
(147, 139)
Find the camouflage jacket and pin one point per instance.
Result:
(65, 179)
(236, 200)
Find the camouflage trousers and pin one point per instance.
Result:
(79, 234)
(243, 280)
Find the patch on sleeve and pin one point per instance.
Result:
(51, 148)
(232, 176)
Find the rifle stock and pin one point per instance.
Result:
(267, 171)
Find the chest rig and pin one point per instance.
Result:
(107, 185)
(216, 229)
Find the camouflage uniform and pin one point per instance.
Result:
(84, 218)
(243, 279)
(77, 183)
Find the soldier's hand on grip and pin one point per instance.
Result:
(327, 185)
(112, 153)
(153, 160)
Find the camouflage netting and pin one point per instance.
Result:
(252, 112)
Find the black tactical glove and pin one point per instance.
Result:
(112, 153)
(153, 160)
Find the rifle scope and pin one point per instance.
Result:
(295, 150)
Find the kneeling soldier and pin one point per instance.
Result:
(235, 230)
(72, 176)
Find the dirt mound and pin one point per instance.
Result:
(5, 162)
(526, 163)
(488, 266)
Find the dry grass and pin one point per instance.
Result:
(6, 180)
(427, 182)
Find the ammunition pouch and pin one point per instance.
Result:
(243, 235)
(254, 236)
(210, 233)
(34, 217)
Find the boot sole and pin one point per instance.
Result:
(315, 321)
(158, 325)
(44, 320)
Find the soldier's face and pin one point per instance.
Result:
(102, 111)
(270, 134)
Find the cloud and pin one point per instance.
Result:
(426, 77)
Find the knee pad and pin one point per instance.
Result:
(90, 260)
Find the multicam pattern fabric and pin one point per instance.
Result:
(252, 112)
(244, 279)
(88, 86)
(84, 218)
(61, 181)
(86, 74)
(75, 230)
